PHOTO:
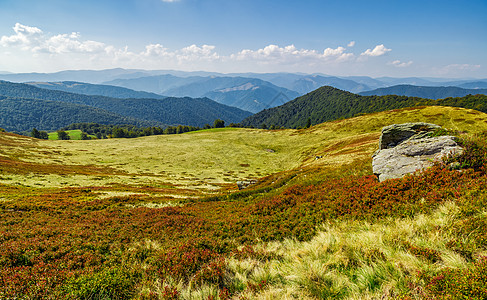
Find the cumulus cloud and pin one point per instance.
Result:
(290, 54)
(71, 50)
(399, 64)
(24, 36)
(379, 50)
(33, 39)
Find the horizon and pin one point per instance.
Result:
(436, 39)
(3, 72)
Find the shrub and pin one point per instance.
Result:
(117, 283)
(459, 284)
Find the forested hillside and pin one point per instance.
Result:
(18, 114)
(95, 89)
(429, 92)
(328, 103)
(171, 111)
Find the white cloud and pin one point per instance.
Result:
(24, 36)
(290, 54)
(462, 67)
(33, 49)
(379, 50)
(170, 1)
(399, 64)
(457, 69)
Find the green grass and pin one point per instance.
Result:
(73, 135)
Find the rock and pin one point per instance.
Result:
(406, 148)
(245, 183)
(394, 134)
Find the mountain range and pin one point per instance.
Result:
(250, 94)
(430, 92)
(170, 110)
(95, 89)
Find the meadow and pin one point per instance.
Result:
(161, 217)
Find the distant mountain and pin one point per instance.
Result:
(95, 89)
(171, 110)
(249, 94)
(328, 103)
(155, 84)
(18, 114)
(312, 82)
(428, 92)
(251, 97)
(367, 81)
(390, 81)
(474, 85)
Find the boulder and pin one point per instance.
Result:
(406, 148)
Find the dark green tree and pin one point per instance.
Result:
(308, 123)
(35, 133)
(219, 123)
(85, 136)
(44, 135)
(62, 135)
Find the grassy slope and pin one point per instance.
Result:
(207, 159)
(107, 181)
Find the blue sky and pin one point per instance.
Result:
(374, 38)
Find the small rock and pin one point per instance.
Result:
(243, 184)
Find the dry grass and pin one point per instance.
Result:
(352, 260)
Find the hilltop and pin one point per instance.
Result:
(328, 103)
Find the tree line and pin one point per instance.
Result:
(103, 131)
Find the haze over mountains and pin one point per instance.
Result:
(20, 102)
(430, 92)
(165, 97)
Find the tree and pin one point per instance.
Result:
(219, 123)
(62, 135)
(35, 133)
(85, 136)
(308, 123)
(44, 135)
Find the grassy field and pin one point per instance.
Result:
(160, 217)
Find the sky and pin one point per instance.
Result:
(397, 38)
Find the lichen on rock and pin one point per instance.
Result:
(406, 148)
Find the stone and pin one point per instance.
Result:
(406, 148)
(394, 134)
(243, 184)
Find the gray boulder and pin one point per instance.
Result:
(406, 148)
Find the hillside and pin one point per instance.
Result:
(428, 92)
(186, 111)
(310, 83)
(95, 89)
(19, 114)
(248, 94)
(328, 103)
(118, 218)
